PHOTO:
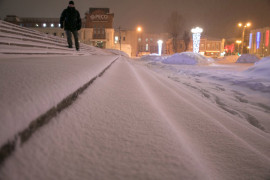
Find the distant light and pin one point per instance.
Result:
(44, 24)
(36, 25)
(248, 24)
(267, 38)
(59, 25)
(196, 39)
(250, 40)
(222, 54)
(197, 30)
(239, 24)
(52, 25)
(258, 39)
(116, 39)
(139, 29)
(159, 47)
(238, 42)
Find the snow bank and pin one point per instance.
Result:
(248, 58)
(263, 60)
(260, 69)
(228, 59)
(153, 57)
(117, 52)
(188, 58)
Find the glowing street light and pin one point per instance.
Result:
(139, 30)
(248, 24)
(196, 38)
(159, 47)
(238, 42)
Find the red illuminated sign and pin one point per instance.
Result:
(267, 38)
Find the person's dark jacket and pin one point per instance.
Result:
(70, 19)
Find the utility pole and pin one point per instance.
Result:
(120, 38)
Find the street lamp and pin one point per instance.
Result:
(196, 39)
(248, 24)
(139, 30)
(159, 47)
(238, 42)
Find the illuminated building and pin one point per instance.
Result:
(259, 42)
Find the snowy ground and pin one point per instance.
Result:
(143, 120)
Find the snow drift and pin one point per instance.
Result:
(248, 58)
(228, 59)
(260, 69)
(153, 57)
(188, 58)
(117, 52)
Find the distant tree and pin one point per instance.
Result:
(186, 38)
(173, 26)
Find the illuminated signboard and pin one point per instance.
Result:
(99, 17)
(258, 39)
(267, 38)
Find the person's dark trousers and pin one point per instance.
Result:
(69, 39)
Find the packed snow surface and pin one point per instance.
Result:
(139, 120)
(248, 58)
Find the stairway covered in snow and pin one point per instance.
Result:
(15, 39)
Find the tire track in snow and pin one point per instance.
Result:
(20, 138)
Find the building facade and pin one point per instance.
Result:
(141, 43)
(259, 42)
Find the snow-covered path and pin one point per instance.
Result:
(133, 123)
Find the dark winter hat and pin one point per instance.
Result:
(71, 2)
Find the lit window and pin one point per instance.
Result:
(139, 39)
(52, 25)
(146, 47)
(116, 39)
(44, 24)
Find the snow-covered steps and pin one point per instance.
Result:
(32, 86)
(19, 40)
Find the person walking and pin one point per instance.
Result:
(71, 21)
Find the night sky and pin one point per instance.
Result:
(218, 18)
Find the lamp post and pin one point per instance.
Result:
(238, 42)
(159, 47)
(196, 38)
(139, 30)
(243, 34)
